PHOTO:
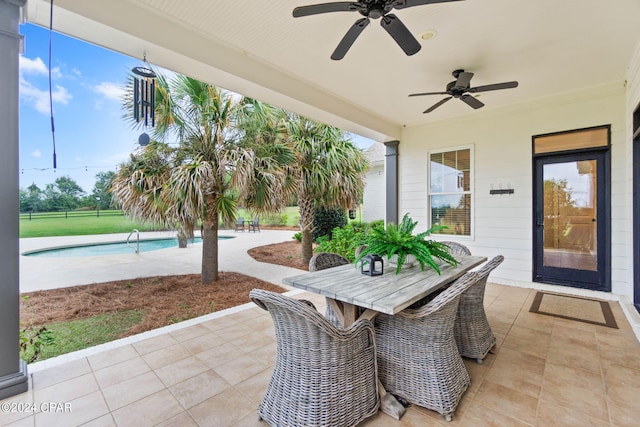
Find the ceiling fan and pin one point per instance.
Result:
(460, 88)
(370, 9)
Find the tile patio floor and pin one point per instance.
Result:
(546, 371)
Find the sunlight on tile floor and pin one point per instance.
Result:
(545, 371)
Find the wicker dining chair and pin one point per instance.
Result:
(456, 248)
(417, 355)
(324, 260)
(323, 376)
(473, 334)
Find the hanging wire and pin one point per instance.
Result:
(53, 128)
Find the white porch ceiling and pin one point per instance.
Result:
(256, 48)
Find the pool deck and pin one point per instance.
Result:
(42, 273)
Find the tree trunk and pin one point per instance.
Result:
(306, 207)
(182, 242)
(210, 250)
(307, 246)
(183, 237)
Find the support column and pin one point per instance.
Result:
(13, 371)
(391, 178)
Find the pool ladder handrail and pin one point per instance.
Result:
(137, 248)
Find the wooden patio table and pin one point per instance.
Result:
(354, 295)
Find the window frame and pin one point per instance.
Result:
(470, 192)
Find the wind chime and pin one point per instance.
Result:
(144, 91)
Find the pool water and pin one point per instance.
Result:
(98, 249)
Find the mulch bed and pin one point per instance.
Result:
(165, 299)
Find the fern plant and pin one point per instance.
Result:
(398, 239)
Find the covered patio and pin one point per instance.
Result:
(578, 67)
(213, 371)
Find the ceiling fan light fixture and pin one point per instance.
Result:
(428, 35)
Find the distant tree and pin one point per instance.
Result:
(31, 199)
(63, 195)
(559, 206)
(66, 185)
(101, 193)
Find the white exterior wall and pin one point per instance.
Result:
(502, 141)
(373, 207)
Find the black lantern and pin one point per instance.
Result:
(371, 265)
(352, 214)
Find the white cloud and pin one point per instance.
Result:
(36, 153)
(39, 99)
(37, 66)
(110, 90)
(34, 96)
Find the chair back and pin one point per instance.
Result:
(240, 221)
(418, 359)
(456, 248)
(323, 375)
(490, 266)
(447, 299)
(474, 296)
(472, 331)
(324, 260)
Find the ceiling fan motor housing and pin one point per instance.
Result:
(455, 91)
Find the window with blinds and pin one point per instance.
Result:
(450, 177)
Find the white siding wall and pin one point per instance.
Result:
(374, 194)
(502, 146)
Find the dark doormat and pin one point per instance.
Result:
(579, 309)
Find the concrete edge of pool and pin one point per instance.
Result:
(116, 247)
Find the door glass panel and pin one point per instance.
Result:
(570, 238)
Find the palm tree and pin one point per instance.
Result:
(329, 171)
(224, 156)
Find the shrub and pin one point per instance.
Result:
(298, 236)
(33, 341)
(346, 239)
(275, 219)
(325, 220)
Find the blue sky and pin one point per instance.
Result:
(91, 134)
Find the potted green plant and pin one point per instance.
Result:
(398, 243)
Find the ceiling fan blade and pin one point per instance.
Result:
(496, 86)
(401, 4)
(436, 105)
(400, 34)
(315, 9)
(464, 79)
(429, 93)
(349, 38)
(472, 101)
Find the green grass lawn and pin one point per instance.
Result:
(80, 334)
(289, 216)
(75, 225)
(83, 222)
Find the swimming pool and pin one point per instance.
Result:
(112, 248)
